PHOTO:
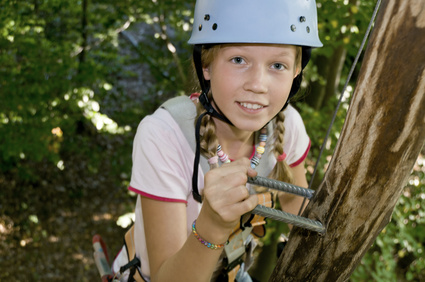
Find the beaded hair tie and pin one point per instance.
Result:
(281, 157)
(204, 242)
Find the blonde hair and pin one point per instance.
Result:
(281, 170)
(209, 141)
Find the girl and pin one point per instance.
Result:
(249, 56)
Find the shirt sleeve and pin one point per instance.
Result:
(297, 143)
(160, 154)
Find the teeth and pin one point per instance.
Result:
(251, 106)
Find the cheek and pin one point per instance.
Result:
(281, 93)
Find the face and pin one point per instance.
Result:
(251, 82)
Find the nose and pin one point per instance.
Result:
(256, 80)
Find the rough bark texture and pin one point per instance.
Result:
(380, 141)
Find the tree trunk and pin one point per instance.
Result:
(381, 139)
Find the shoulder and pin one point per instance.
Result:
(171, 116)
(159, 123)
(297, 142)
(181, 107)
(292, 116)
(161, 156)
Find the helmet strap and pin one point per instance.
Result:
(205, 86)
(203, 98)
(296, 84)
(195, 191)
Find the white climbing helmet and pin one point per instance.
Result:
(292, 22)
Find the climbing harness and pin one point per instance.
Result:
(131, 269)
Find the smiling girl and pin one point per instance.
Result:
(193, 156)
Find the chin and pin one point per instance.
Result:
(250, 126)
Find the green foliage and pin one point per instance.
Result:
(67, 119)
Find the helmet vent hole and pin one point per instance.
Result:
(214, 27)
(207, 17)
(302, 19)
(200, 27)
(308, 29)
(293, 28)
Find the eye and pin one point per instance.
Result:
(278, 66)
(238, 60)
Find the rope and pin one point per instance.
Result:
(353, 66)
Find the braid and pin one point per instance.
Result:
(281, 170)
(209, 140)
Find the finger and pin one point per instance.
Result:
(236, 195)
(238, 209)
(226, 178)
(251, 172)
(246, 164)
(223, 197)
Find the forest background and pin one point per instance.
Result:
(76, 78)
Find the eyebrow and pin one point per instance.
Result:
(242, 47)
(286, 53)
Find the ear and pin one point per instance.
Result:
(297, 71)
(206, 72)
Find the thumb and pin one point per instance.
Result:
(251, 172)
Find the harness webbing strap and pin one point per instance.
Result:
(135, 274)
(231, 276)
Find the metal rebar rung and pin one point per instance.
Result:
(289, 218)
(281, 186)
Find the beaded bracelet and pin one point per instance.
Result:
(206, 243)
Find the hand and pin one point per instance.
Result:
(226, 198)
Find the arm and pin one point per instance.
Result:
(172, 255)
(292, 203)
(175, 257)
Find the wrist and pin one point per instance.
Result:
(210, 231)
(203, 241)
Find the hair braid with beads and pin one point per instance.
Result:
(281, 170)
(209, 141)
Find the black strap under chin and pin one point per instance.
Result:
(203, 98)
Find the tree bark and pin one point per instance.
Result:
(382, 136)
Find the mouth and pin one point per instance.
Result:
(251, 106)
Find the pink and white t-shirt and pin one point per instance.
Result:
(163, 165)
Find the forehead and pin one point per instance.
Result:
(265, 49)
